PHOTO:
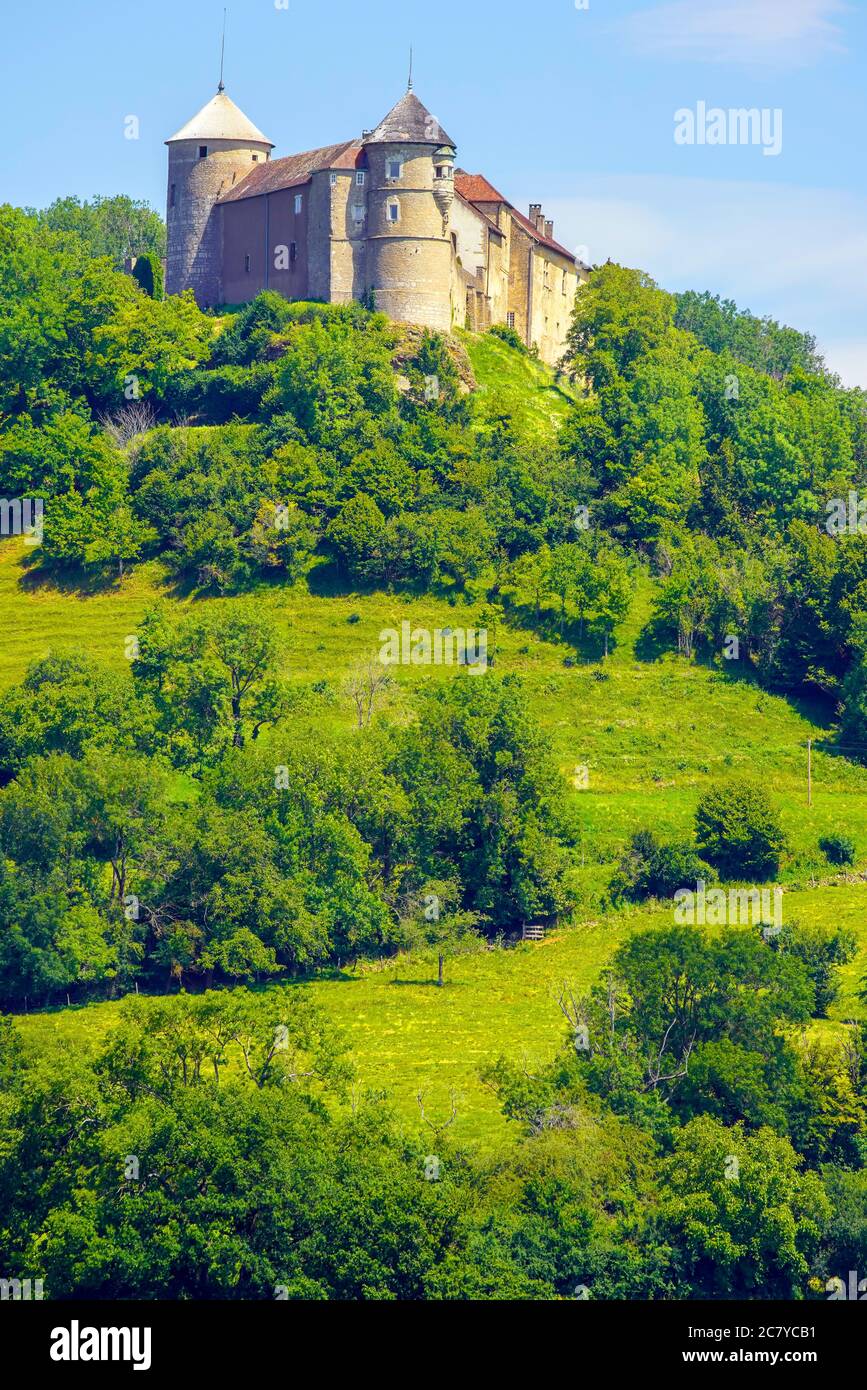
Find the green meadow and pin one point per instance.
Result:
(408, 1036)
(653, 732)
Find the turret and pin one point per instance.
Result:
(207, 156)
(411, 164)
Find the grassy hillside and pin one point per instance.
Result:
(512, 384)
(653, 733)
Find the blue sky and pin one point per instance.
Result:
(571, 104)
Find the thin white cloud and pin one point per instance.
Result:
(778, 33)
(794, 253)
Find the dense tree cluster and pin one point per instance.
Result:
(177, 827)
(209, 1150)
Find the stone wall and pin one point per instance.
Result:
(194, 237)
(408, 260)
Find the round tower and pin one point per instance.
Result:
(207, 156)
(411, 164)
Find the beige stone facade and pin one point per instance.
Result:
(385, 219)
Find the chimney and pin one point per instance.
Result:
(536, 214)
(549, 228)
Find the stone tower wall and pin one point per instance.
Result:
(408, 262)
(194, 242)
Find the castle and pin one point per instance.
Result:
(386, 219)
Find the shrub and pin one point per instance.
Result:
(221, 394)
(739, 833)
(148, 271)
(652, 869)
(822, 950)
(508, 335)
(838, 849)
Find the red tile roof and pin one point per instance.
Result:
(475, 188)
(294, 169)
(545, 240)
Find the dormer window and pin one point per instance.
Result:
(394, 168)
(203, 152)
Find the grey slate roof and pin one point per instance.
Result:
(409, 122)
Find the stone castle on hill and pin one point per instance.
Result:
(386, 219)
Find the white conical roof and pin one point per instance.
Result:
(221, 119)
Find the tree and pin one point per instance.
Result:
(739, 832)
(744, 1218)
(432, 918)
(619, 316)
(148, 272)
(364, 685)
(121, 536)
(119, 227)
(214, 679)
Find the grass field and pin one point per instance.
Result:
(407, 1035)
(654, 734)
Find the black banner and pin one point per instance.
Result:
(86, 1340)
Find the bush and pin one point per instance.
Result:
(221, 394)
(739, 833)
(838, 849)
(508, 335)
(148, 271)
(822, 950)
(651, 869)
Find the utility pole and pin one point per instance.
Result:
(809, 772)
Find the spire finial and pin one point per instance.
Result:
(222, 85)
(409, 80)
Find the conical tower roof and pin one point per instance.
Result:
(221, 119)
(409, 123)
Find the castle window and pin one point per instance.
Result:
(510, 320)
(563, 287)
(203, 151)
(393, 168)
(247, 264)
(172, 196)
(357, 214)
(255, 159)
(394, 211)
(297, 202)
(359, 178)
(333, 180)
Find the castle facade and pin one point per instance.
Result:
(386, 219)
